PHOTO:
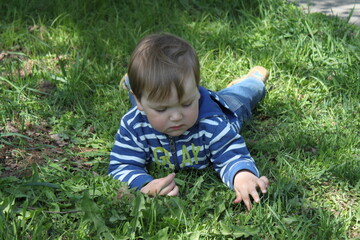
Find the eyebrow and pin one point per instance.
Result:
(188, 98)
(191, 98)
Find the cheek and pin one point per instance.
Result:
(157, 121)
(192, 115)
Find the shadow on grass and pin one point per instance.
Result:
(99, 36)
(88, 44)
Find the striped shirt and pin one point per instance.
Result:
(213, 140)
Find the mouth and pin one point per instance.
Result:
(176, 127)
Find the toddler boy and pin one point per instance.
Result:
(178, 124)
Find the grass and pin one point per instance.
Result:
(60, 65)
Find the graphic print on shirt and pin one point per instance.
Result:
(163, 157)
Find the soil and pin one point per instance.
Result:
(35, 144)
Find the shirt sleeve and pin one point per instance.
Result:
(229, 153)
(128, 158)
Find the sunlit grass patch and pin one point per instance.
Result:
(60, 107)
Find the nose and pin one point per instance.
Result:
(176, 116)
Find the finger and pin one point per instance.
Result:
(169, 178)
(164, 182)
(265, 179)
(168, 188)
(245, 198)
(247, 203)
(174, 192)
(262, 185)
(238, 198)
(254, 194)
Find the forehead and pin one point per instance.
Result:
(179, 84)
(190, 91)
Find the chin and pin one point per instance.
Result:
(176, 133)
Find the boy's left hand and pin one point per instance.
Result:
(246, 184)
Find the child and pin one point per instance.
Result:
(178, 124)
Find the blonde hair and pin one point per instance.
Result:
(159, 62)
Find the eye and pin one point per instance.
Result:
(160, 110)
(188, 104)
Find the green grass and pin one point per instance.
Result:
(60, 107)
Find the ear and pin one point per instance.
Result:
(138, 102)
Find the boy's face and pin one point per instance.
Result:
(173, 117)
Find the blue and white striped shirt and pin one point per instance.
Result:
(213, 140)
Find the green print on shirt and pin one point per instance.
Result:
(165, 159)
(186, 155)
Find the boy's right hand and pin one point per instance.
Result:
(162, 186)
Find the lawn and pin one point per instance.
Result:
(60, 107)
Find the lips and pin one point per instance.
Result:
(176, 127)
